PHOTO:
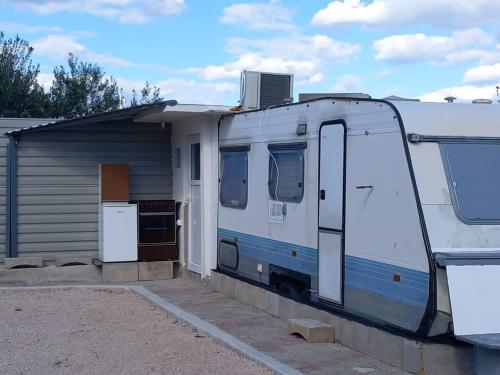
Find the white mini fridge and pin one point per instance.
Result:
(117, 232)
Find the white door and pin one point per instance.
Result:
(194, 249)
(331, 212)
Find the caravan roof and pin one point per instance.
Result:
(447, 119)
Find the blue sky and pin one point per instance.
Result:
(194, 49)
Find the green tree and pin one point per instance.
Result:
(20, 93)
(149, 95)
(82, 89)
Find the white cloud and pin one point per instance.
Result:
(305, 56)
(383, 73)
(297, 46)
(59, 46)
(184, 90)
(22, 28)
(461, 46)
(106, 59)
(312, 80)
(462, 93)
(126, 11)
(348, 83)
(259, 16)
(483, 74)
(45, 80)
(393, 13)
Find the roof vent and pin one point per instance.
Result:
(394, 98)
(450, 99)
(262, 90)
(482, 101)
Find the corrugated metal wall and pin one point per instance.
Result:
(58, 187)
(6, 125)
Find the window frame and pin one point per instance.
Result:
(233, 149)
(450, 181)
(277, 147)
(231, 243)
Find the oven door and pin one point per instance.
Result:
(156, 227)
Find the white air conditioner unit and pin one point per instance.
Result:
(262, 90)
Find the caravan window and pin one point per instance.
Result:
(286, 172)
(234, 175)
(473, 171)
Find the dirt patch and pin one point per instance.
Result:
(104, 331)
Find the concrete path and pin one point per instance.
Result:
(265, 332)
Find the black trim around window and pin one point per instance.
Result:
(228, 150)
(454, 193)
(239, 148)
(287, 146)
(442, 141)
(283, 147)
(231, 243)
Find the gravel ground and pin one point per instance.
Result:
(104, 331)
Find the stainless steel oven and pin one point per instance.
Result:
(157, 223)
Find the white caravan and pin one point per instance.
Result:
(386, 211)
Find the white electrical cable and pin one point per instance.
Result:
(270, 154)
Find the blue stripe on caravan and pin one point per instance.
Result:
(274, 252)
(375, 277)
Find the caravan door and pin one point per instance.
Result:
(331, 211)
(194, 242)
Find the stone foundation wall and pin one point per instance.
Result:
(407, 354)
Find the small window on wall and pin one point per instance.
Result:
(286, 172)
(195, 161)
(234, 175)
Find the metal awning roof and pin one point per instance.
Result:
(178, 112)
(166, 111)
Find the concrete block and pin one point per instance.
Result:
(48, 275)
(287, 308)
(345, 333)
(335, 321)
(310, 312)
(307, 312)
(69, 260)
(353, 335)
(361, 337)
(228, 286)
(257, 297)
(215, 282)
(241, 291)
(272, 303)
(73, 274)
(161, 270)
(21, 276)
(120, 272)
(385, 346)
(23, 262)
(412, 357)
(311, 330)
(439, 359)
